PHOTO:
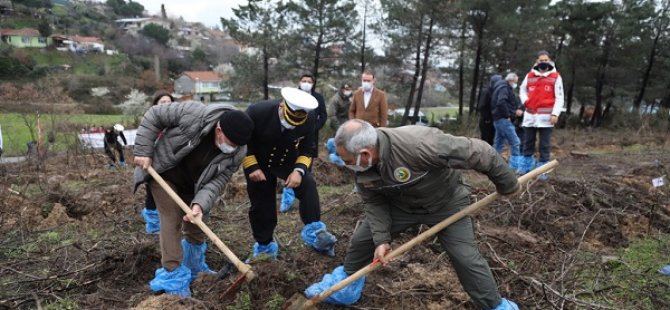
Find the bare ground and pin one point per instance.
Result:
(73, 237)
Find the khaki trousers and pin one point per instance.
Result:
(173, 226)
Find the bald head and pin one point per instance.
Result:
(355, 135)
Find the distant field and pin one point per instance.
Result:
(15, 133)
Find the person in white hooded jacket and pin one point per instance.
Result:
(541, 93)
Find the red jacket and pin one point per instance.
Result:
(541, 91)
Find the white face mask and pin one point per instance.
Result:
(347, 93)
(226, 148)
(367, 86)
(357, 167)
(514, 85)
(306, 86)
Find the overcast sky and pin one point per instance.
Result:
(207, 12)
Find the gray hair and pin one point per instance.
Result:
(355, 135)
(511, 76)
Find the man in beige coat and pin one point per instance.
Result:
(369, 103)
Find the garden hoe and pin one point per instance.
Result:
(298, 301)
(245, 270)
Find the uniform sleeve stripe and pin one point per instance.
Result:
(249, 161)
(307, 161)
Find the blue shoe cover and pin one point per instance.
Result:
(665, 270)
(194, 258)
(316, 236)
(516, 163)
(271, 249)
(527, 164)
(287, 198)
(330, 146)
(151, 220)
(335, 159)
(544, 176)
(347, 296)
(122, 164)
(173, 282)
(506, 304)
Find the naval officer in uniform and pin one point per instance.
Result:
(281, 147)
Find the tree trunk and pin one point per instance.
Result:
(266, 73)
(461, 70)
(424, 70)
(571, 88)
(317, 57)
(365, 21)
(647, 73)
(600, 82)
(478, 58)
(415, 78)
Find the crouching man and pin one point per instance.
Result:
(405, 181)
(201, 147)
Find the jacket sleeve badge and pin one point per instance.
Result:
(402, 174)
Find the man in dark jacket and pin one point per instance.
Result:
(111, 143)
(404, 181)
(486, 128)
(281, 147)
(306, 84)
(200, 149)
(504, 106)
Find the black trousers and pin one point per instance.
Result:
(149, 202)
(110, 152)
(263, 197)
(529, 135)
(488, 132)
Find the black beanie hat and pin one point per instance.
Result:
(237, 126)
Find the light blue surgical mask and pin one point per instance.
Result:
(357, 167)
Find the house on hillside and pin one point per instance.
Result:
(26, 37)
(202, 85)
(134, 25)
(88, 43)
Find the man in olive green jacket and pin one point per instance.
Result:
(408, 176)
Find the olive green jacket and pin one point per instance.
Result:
(418, 172)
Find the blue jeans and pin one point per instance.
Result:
(529, 134)
(505, 132)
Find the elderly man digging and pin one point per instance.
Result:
(200, 148)
(405, 181)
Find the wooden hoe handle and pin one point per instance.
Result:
(241, 266)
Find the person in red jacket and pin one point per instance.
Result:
(542, 96)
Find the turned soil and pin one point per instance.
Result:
(73, 235)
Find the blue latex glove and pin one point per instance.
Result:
(330, 146)
(349, 295)
(287, 198)
(665, 270)
(335, 159)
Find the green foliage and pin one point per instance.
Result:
(630, 280)
(276, 302)
(156, 32)
(130, 9)
(62, 304)
(44, 28)
(34, 3)
(243, 302)
(199, 55)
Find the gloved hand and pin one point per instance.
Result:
(330, 146)
(335, 159)
(287, 198)
(349, 295)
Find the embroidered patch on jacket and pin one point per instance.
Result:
(402, 174)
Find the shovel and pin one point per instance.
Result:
(244, 269)
(298, 301)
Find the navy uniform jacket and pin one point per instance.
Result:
(272, 146)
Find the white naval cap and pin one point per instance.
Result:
(297, 99)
